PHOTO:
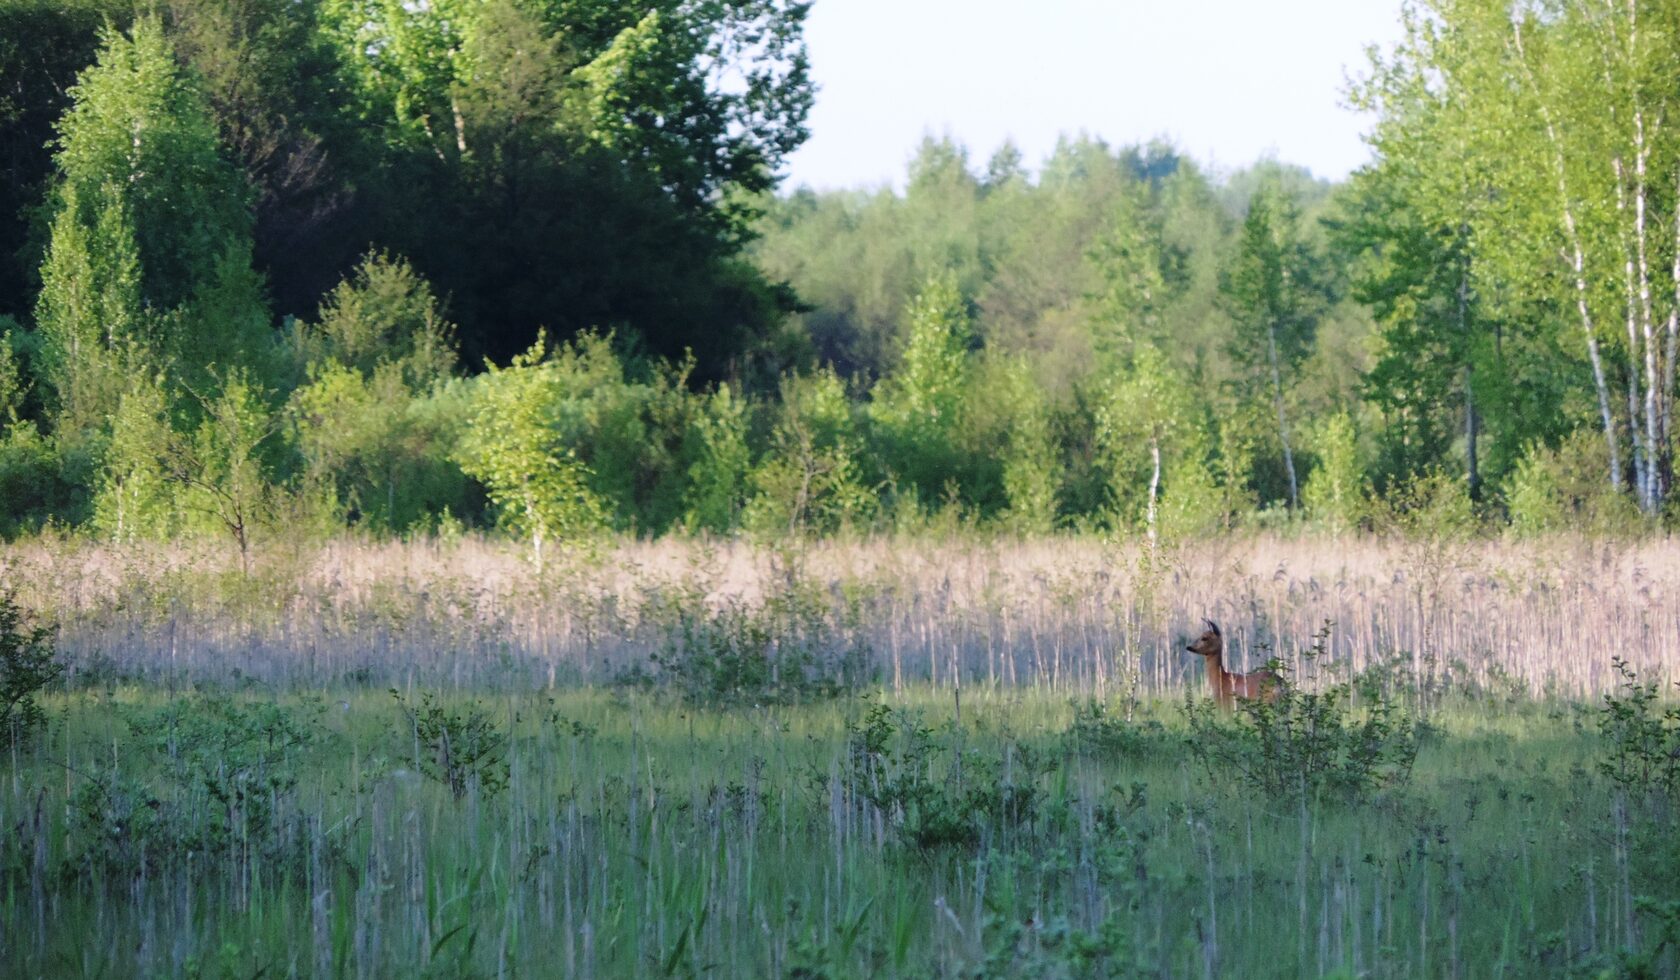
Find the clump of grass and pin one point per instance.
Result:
(1095, 731)
(226, 775)
(935, 792)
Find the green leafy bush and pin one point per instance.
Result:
(932, 792)
(1564, 488)
(1096, 732)
(28, 663)
(1306, 743)
(783, 650)
(1642, 736)
(460, 748)
(229, 772)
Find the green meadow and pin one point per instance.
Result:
(616, 835)
(757, 796)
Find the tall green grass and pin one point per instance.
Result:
(637, 835)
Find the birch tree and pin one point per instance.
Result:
(1570, 106)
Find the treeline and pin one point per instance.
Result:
(407, 267)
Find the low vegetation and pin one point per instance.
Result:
(753, 784)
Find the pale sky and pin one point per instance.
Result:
(1227, 81)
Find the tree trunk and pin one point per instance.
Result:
(1576, 258)
(1154, 488)
(1472, 425)
(1283, 424)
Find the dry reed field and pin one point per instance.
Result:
(892, 757)
(1064, 614)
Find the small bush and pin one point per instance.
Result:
(459, 749)
(229, 771)
(1095, 732)
(1565, 488)
(1643, 739)
(120, 824)
(1307, 743)
(28, 663)
(784, 650)
(932, 793)
(233, 764)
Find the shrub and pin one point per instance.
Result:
(229, 771)
(459, 748)
(1643, 739)
(28, 663)
(1306, 743)
(1334, 495)
(1096, 732)
(1566, 488)
(933, 794)
(784, 650)
(809, 481)
(233, 765)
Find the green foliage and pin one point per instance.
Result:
(33, 481)
(1097, 732)
(1641, 736)
(1307, 744)
(384, 316)
(809, 480)
(188, 206)
(381, 449)
(1144, 423)
(1275, 291)
(28, 663)
(721, 463)
(135, 498)
(1335, 492)
(919, 411)
(935, 794)
(783, 650)
(375, 423)
(226, 466)
(515, 445)
(230, 772)
(1017, 411)
(14, 387)
(94, 330)
(43, 44)
(1561, 489)
(667, 119)
(231, 761)
(1139, 277)
(462, 748)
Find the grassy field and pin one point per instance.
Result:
(868, 759)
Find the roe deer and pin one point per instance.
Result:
(1227, 687)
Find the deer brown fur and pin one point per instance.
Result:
(1227, 687)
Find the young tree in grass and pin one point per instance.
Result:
(513, 444)
(225, 465)
(1143, 423)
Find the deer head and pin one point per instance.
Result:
(1210, 643)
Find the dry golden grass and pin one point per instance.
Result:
(1073, 613)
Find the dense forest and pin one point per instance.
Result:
(318, 264)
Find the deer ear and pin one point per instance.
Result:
(1213, 627)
